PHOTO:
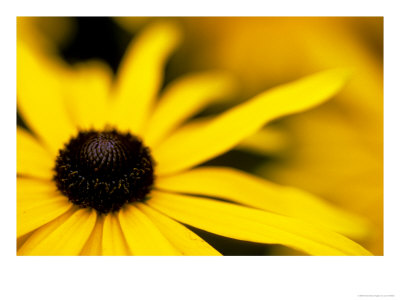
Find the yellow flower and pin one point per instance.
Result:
(83, 151)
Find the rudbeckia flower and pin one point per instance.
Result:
(107, 170)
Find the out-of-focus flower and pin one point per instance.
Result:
(82, 149)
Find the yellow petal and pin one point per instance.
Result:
(93, 244)
(114, 242)
(182, 238)
(253, 225)
(184, 98)
(88, 95)
(243, 188)
(22, 239)
(38, 203)
(142, 236)
(32, 158)
(141, 75)
(41, 97)
(184, 150)
(266, 141)
(64, 236)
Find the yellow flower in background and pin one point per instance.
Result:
(107, 170)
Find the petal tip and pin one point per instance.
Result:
(168, 29)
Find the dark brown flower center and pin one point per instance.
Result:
(104, 170)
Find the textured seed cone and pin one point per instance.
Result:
(104, 170)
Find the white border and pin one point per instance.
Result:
(198, 277)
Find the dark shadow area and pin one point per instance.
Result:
(231, 247)
(238, 159)
(99, 38)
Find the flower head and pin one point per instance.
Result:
(109, 170)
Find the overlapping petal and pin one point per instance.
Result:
(113, 242)
(182, 238)
(246, 189)
(41, 98)
(265, 141)
(22, 239)
(142, 235)
(66, 235)
(182, 99)
(183, 150)
(93, 244)
(38, 203)
(140, 75)
(253, 225)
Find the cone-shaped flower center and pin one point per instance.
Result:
(104, 170)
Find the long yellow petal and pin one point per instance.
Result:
(88, 91)
(183, 150)
(142, 235)
(93, 244)
(64, 236)
(253, 225)
(182, 238)
(244, 188)
(141, 75)
(182, 99)
(41, 97)
(114, 242)
(32, 158)
(38, 203)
